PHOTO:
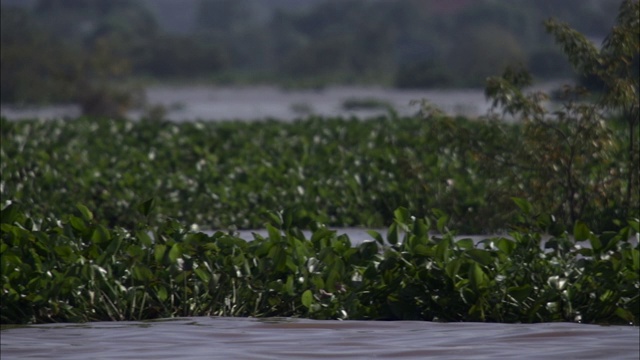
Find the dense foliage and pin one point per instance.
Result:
(132, 257)
(75, 269)
(344, 172)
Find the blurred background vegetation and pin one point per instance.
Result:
(91, 51)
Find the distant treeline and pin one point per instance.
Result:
(60, 50)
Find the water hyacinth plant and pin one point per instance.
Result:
(75, 269)
(345, 172)
(97, 214)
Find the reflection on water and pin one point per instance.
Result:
(288, 338)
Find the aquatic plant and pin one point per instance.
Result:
(346, 172)
(75, 269)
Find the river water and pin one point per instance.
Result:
(287, 338)
(199, 102)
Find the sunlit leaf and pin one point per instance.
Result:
(307, 299)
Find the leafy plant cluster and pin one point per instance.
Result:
(75, 269)
(345, 172)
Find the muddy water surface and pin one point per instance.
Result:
(287, 338)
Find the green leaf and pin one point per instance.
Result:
(147, 206)
(519, 293)
(161, 292)
(287, 217)
(288, 286)
(275, 218)
(144, 238)
(465, 243)
(86, 213)
(442, 223)
(274, 234)
(160, 249)
(392, 234)
(9, 214)
(635, 256)
(420, 229)
(307, 299)
(480, 256)
(100, 234)
(376, 236)
(175, 253)
(523, 204)
(505, 245)
(626, 315)
(443, 249)
(368, 249)
(78, 224)
(477, 277)
(452, 268)
(402, 216)
(580, 231)
(142, 273)
(202, 274)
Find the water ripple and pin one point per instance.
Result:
(287, 338)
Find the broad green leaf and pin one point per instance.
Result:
(146, 207)
(392, 234)
(100, 234)
(161, 293)
(442, 249)
(275, 218)
(202, 274)
(287, 217)
(175, 253)
(626, 315)
(465, 243)
(368, 249)
(482, 257)
(596, 245)
(114, 246)
(422, 250)
(9, 214)
(520, 293)
(420, 229)
(635, 256)
(478, 279)
(142, 273)
(307, 299)
(505, 245)
(144, 238)
(442, 223)
(523, 204)
(159, 251)
(452, 268)
(402, 216)
(86, 213)
(78, 224)
(580, 231)
(288, 286)
(376, 236)
(274, 234)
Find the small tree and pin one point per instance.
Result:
(616, 66)
(568, 162)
